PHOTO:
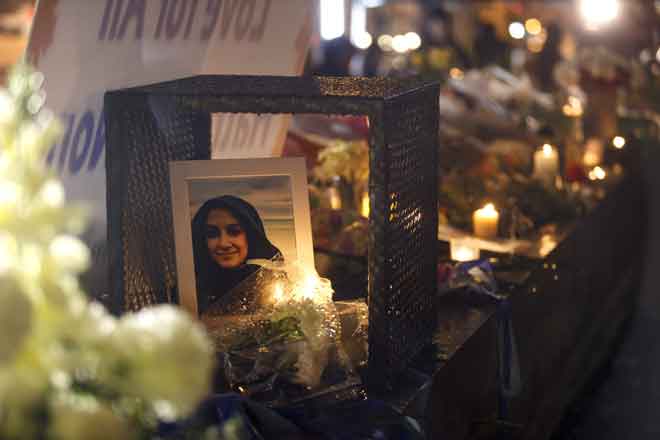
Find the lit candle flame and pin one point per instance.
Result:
(309, 288)
(489, 208)
(547, 150)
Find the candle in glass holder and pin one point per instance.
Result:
(462, 251)
(546, 164)
(485, 221)
(364, 206)
(334, 198)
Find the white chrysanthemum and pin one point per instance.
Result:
(8, 252)
(310, 364)
(10, 196)
(169, 358)
(7, 107)
(31, 260)
(71, 253)
(85, 418)
(15, 318)
(52, 193)
(29, 137)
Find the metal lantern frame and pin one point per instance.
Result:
(146, 127)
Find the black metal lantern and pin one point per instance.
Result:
(146, 127)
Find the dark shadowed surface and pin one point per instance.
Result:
(623, 402)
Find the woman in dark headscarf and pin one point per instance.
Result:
(227, 232)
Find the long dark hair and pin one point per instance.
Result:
(212, 280)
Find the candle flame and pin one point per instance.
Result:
(619, 142)
(547, 149)
(489, 208)
(365, 205)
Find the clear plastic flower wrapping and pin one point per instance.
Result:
(279, 335)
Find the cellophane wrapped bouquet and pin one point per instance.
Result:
(280, 336)
(68, 369)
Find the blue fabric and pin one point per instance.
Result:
(368, 419)
(508, 366)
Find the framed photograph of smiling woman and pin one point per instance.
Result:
(229, 215)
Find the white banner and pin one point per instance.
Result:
(86, 47)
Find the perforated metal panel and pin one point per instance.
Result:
(148, 126)
(143, 135)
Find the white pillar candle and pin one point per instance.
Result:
(546, 164)
(334, 198)
(547, 244)
(461, 251)
(364, 208)
(485, 220)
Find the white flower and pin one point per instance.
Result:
(310, 364)
(15, 318)
(169, 359)
(70, 252)
(85, 418)
(22, 392)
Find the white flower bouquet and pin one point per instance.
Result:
(288, 347)
(68, 369)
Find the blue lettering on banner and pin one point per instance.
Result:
(99, 143)
(213, 12)
(244, 20)
(175, 18)
(136, 9)
(191, 16)
(239, 132)
(85, 128)
(83, 141)
(161, 18)
(64, 146)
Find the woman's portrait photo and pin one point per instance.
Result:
(230, 235)
(235, 224)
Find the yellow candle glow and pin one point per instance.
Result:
(364, 209)
(546, 164)
(462, 252)
(278, 293)
(547, 244)
(485, 221)
(597, 174)
(619, 142)
(593, 153)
